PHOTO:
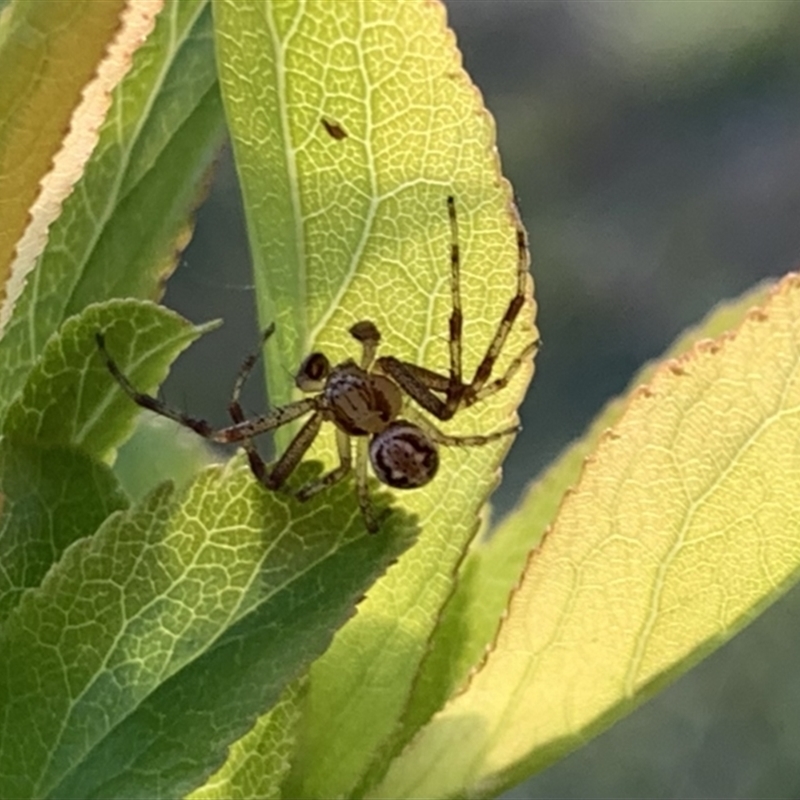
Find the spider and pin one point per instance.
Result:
(365, 400)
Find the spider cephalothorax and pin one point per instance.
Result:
(361, 402)
(364, 401)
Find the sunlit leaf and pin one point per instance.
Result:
(49, 55)
(259, 761)
(682, 528)
(351, 124)
(493, 566)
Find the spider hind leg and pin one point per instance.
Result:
(335, 475)
(458, 393)
(257, 464)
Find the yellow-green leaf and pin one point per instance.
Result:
(351, 124)
(493, 566)
(58, 62)
(683, 526)
(258, 762)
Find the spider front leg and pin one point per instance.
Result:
(456, 315)
(421, 384)
(484, 369)
(238, 432)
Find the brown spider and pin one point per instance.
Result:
(365, 401)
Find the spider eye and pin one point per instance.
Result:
(312, 373)
(403, 456)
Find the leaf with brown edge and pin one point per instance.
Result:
(682, 528)
(59, 63)
(493, 566)
(130, 214)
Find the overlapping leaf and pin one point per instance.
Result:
(120, 229)
(157, 642)
(259, 761)
(493, 566)
(152, 645)
(51, 497)
(71, 413)
(71, 399)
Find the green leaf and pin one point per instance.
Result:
(51, 497)
(71, 413)
(351, 227)
(682, 528)
(493, 566)
(153, 645)
(182, 729)
(123, 225)
(71, 399)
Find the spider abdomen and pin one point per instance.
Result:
(361, 403)
(403, 456)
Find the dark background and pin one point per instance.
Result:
(655, 150)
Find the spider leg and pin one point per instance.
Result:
(434, 381)
(456, 315)
(372, 522)
(488, 389)
(293, 454)
(234, 433)
(276, 418)
(234, 408)
(440, 437)
(335, 475)
(484, 369)
(148, 401)
(257, 464)
(420, 384)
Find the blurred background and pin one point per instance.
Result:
(655, 150)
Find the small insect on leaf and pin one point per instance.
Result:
(335, 130)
